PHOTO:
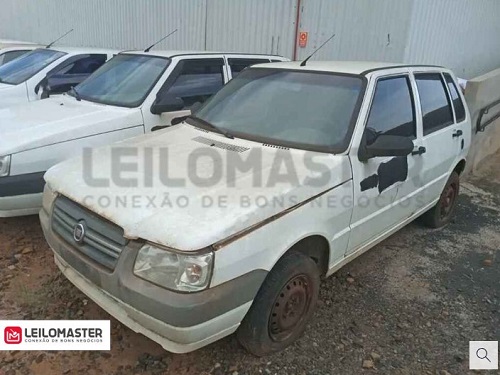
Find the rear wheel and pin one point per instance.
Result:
(282, 307)
(442, 212)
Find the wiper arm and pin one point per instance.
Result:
(77, 95)
(225, 133)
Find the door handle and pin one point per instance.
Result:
(421, 150)
(458, 133)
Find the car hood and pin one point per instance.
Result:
(4, 86)
(174, 204)
(54, 120)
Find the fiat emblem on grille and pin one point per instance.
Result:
(79, 232)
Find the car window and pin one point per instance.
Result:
(392, 111)
(125, 80)
(11, 55)
(457, 101)
(436, 108)
(23, 68)
(195, 81)
(237, 65)
(75, 71)
(300, 109)
(87, 64)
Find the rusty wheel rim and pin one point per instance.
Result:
(448, 200)
(290, 308)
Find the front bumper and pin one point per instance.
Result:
(21, 194)
(180, 322)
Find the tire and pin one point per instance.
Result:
(282, 307)
(441, 214)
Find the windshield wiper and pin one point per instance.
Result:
(225, 133)
(76, 94)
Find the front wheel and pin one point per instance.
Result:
(282, 307)
(441, 214)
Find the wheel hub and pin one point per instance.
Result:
(290, 308)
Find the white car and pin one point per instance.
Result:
(44, 71)
(130, 95)
(227, 221)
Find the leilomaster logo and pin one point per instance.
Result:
(13, 335)
(55, 335)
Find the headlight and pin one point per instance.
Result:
(176, 271)
(4, 165)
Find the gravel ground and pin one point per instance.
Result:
(408, 306)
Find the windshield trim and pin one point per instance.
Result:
(39, 70)
(137, 103)
(335, 149)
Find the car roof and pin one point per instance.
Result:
(78, 50)
(173, 53)
(344, 67)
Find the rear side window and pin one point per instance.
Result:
(237, 65)
(392, 110)
(436, 108)
(195, 81)
(455, 97)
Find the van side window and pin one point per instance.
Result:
(196, 80)
(436, 108)
(237, 65)
(455, 97)
(392, 110)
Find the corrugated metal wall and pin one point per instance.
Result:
(461, 34)
(364, 29)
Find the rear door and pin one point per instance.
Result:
(442, 132)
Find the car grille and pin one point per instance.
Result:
(102, 241)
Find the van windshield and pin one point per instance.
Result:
(23, 68)
(124, 81)
(298, 109)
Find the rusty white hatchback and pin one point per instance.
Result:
(226, 221)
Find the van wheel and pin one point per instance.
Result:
(282, 307)
(442, 212)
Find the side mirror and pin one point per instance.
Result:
(167, 104)
(386, 145)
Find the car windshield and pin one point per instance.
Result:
(124, 81)
(299, 109)
(23, 68)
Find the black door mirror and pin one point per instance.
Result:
(387, 145)
(167, 104)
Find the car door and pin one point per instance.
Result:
(191, 83)
(443, 131)
(377, 180)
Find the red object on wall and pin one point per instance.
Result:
(303, 39)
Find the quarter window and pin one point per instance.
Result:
(237, 65)
(195, 81)
(457, 101)
(436, 108)
(392, 110)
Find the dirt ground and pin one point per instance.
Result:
(410, 305)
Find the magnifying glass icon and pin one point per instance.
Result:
(482, 353)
